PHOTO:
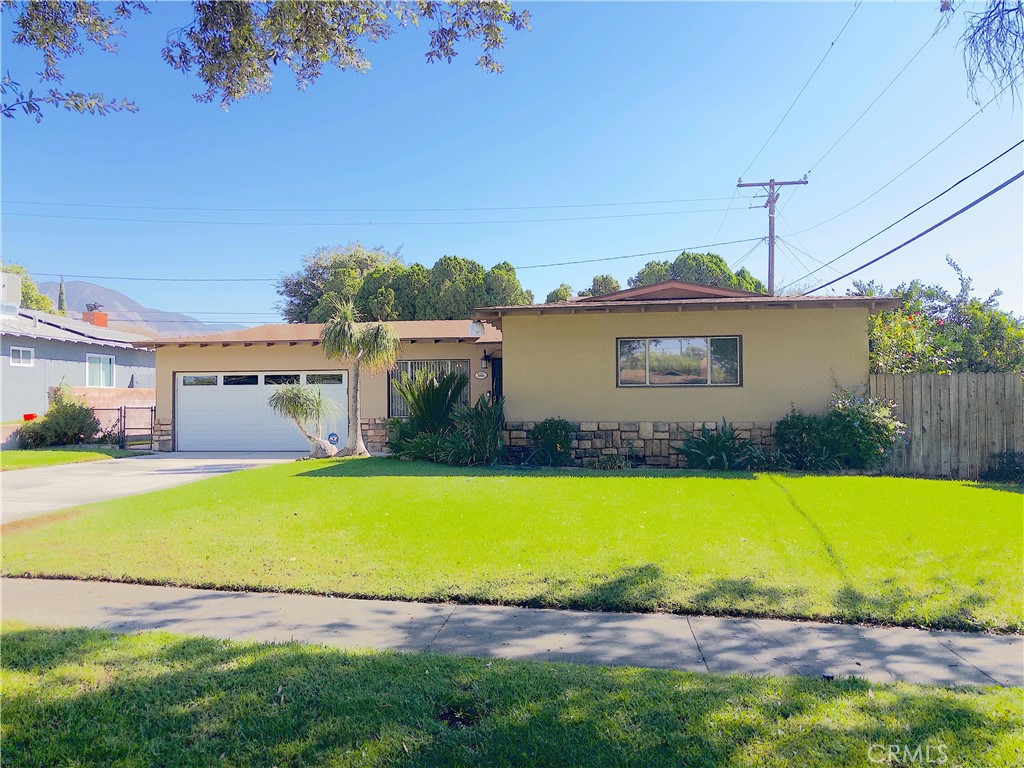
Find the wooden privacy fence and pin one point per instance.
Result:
(955, 422)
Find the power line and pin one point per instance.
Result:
(361, 210)
(357, 223)
(746, 255)
(919, 235)
(276, 279)
(856, 7)
(908, 215)
(874, 101)
(638, 255)
(789, 249)
(164, 279)
(775, 130)
(905, 170)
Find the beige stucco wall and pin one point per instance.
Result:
(283, 358)
(560, 365)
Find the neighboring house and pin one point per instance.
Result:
(642, 368)
(212, 390)
(638, 369)
(107, 368)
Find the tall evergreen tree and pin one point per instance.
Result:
(62, 300)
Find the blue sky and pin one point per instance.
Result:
(599, 103)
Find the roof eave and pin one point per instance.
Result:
(872, 304)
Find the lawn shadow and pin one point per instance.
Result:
(993, 486)
(196, 701)
(888, 604)
(392, 467)
(722, 596)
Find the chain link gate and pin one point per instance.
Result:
(131, 427)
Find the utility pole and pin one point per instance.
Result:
(773, 197)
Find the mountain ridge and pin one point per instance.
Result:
(128, 315)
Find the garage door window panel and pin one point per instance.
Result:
(277, 379)
(242, 380)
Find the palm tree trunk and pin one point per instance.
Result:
(355, 432)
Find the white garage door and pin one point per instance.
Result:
(228, 411)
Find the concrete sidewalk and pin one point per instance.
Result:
(30, 492)
(696, 643)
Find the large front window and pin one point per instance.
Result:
(684, 361)
(397, 407)
(99, 370)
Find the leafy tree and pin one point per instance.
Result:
(376, 296)
(502, 287)
(561, 293)
(328, 275)
(747, 282)
(993, 44)
(703, 268)
(31, 298)
(935, 331)
(233, 47)
(601, 286)
(455, 288)
(372, 347)
(383, 288)
(650, 273)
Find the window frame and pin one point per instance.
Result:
(113, 369)
(647, 362)
(21, 362)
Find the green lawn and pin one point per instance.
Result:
(88, 698)
(877, 549)
(67, 454)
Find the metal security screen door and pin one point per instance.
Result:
(396, 405)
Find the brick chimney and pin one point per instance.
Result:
(94, 314)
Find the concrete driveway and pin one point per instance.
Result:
(30, 492)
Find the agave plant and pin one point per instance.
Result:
(721, 449)
(477, 434)
(431, 399)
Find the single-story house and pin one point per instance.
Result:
(212, 390)
(642, 368)
(107, 368)
(636, 369)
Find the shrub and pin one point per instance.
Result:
(721, 449)
(67, 421)
(30, 435)
(855, 432)
(552, 442)
(800, 438)
(761, 459)
(1005, 467)
(431, 399)
(476, 434)
(424, 446)
(861, 431)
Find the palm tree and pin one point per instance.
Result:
(302, 404)
(373, 346)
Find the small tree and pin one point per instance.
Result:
(304, 405)
(62, 300)
(372, 346)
